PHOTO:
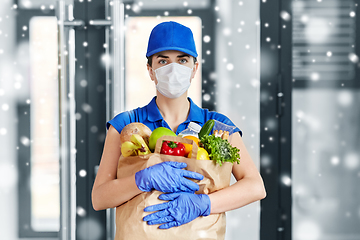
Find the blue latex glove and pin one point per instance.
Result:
(183, 207)
(167, 177)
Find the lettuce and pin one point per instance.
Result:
(220, 150)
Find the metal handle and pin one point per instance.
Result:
(100, 22)
(67, 122)
(74, 23)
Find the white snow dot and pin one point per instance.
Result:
(78, 116)
(3, 131)
(208, 52)
(83, 83)
(42, 7)
(241, 3)
(314, 76)
(218, 20)
(81, 211)
(286, 180)
(352, 14)
(237, 85)
(242, 23)
(17, 85)
(87, 108)
(351, 161)
(227, 31)
(304, 18)
(247, 46)
(73, 151)
(5, 107)
(268, 39)
(166, 13)
(345, 98)
(353, 57)
(85, 44)
(285, 15)
(239, 30)
(24, 28)
(230, 66)
(189, 11)
(206, 97)
(82, 173)
(216, 8)
(335, 160)
(1, 51)
(185, 4)
(206, 38)
(266, 25)
(94, 129)
(329, 54)
(25, 141)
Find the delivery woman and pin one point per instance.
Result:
(172, 65)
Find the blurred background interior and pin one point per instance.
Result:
(285, 72)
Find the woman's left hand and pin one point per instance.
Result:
(183, 207)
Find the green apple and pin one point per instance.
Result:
(158, 133)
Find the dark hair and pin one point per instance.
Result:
(149, 60)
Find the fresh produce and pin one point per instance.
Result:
(158, 133)
(188, 147)
(222, 134)
(202, 154)
(136, 146)
(220, 150)
(135, 128)
(173, 148)
(206, 129)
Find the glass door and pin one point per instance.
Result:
(325, 117)
(311, 169)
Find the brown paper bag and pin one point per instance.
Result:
(129, 223)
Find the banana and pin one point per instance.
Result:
(128, 149)
(136, 146)
(138, 140)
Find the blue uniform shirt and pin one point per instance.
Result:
(151, 117)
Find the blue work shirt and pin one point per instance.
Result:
(151, 117)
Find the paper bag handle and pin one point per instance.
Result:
(177, 139)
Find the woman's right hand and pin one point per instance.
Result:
(167, 177)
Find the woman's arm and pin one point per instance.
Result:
(108, 191)
(248, 188)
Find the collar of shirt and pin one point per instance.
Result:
(195, 114)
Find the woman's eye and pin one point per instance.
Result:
(183, 61)
(162, 61)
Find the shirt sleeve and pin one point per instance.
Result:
(119, 121)
(224, 119)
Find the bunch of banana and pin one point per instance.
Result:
(136, 146)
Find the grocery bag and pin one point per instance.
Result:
(129, 215)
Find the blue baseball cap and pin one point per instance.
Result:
(171, 36)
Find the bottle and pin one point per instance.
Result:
(193, 129)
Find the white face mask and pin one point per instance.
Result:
(173, 80)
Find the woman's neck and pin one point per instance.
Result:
(174, 111)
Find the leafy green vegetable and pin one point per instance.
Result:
(220, 150)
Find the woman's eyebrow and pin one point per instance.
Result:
(183, 55)
(161, 56)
